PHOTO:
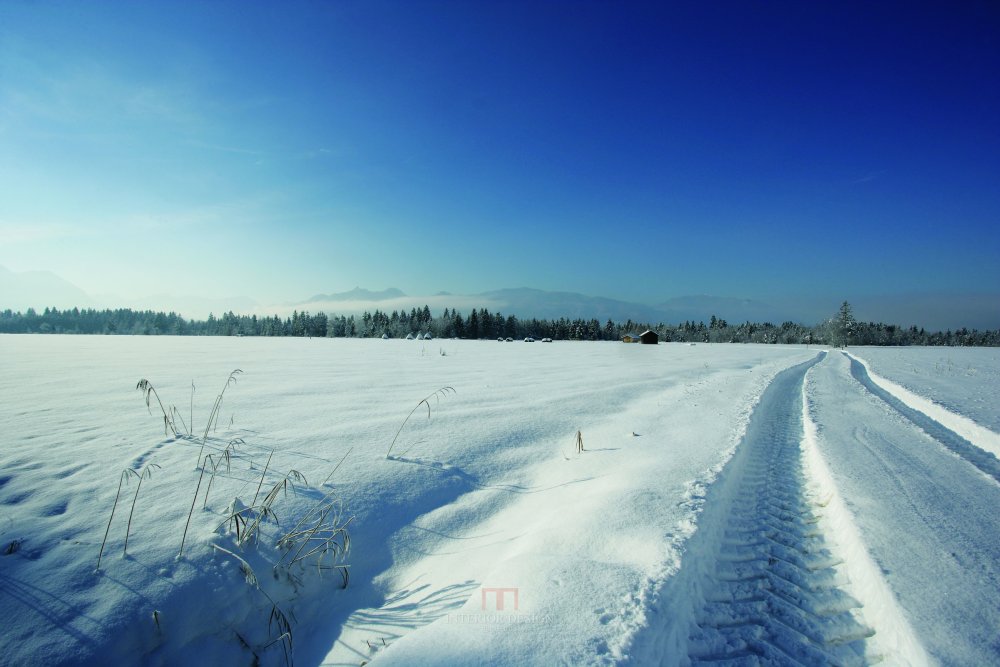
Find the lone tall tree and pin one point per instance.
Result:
(844, 326)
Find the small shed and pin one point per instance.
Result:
(630, 338)
(648, 337)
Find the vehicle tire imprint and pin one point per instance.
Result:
(983, 460)
(773, 593)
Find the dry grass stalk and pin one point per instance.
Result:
(191, 407)
(193, 501)
(264, 510)
(277, 619)
(213, 416)
(148, 392)
(225, 457)
(261, 483)
(123, 477)
(146, 473)
(443, 391)
(177, 416)
(338, 465)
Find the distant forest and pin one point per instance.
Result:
(841, 329)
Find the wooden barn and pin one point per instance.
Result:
(630, 338)
(648, 337)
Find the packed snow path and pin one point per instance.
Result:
(774, 593)
(977, 456)
(927, 513)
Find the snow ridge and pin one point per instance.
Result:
(980, 451)
(894, 637)
(966, 428)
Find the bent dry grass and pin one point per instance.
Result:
(303, 547)
(121, 480)
(225, 457)
(213, 416)
(302, 552)
(425, 401)
(148, 392)
(146, 473)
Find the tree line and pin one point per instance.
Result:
(841, 329)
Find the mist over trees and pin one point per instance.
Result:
(841, 329)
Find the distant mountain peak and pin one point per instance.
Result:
(532, 302)
(359, 294)
(20, 290)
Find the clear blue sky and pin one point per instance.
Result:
(631, 150)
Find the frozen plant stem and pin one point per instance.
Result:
(338, 465)
(121, 479)
(225, 456)
(277, 618)
(214, 414)
(146, 472)
(193, 501)
(191, 408)
(208, 489)
(443, 391)
(146, 387)
(177, 414)
(262, 478)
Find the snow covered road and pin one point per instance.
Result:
(761, 579)
(929, 517)
(775, 591)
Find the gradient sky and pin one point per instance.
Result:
(630, 150)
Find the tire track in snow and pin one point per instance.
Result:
(929, 521)
(894, 635)
(775, 594)
(760, 580)
(980, 458)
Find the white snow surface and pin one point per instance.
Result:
(978, 398)
(962, 380)
(925, 503)
(485, 537)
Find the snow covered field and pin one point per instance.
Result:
(955, 377)
(732, 502)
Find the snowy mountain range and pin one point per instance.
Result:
(526, 302)
(358, 294)
(38, 289)
(44, 289)
(41, 289)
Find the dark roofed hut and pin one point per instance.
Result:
(648, 337)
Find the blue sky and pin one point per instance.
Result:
(638, 151)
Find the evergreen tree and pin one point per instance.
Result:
(472, 326)
(845, 327)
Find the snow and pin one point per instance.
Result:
(894, 636)
(485, 537)
(927, 515)
(962, 380)
(976, 384)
